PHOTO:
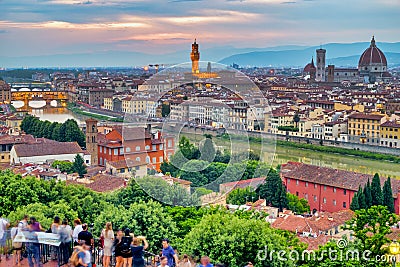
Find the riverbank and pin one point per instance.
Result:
(320, 148)
(78, 110)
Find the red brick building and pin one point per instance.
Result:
(328, 189)
(134, 143)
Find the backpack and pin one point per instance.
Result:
(126, 245)
(74, 259)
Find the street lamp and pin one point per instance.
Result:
(394, 249)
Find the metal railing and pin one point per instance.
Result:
(62, 253)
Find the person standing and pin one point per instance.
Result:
(163, 262)
(86, 236)
(205, 262)
(54, 230)
(138, 251)
(108, 237)
(185, 262)
(4, 224)
(126, 250)
(117, 248)
(77, 230)
(65, 232)
(17, 246)
(84, 256)
(33, 248)
(169, 252)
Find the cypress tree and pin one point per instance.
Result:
(376, 191)
(354, 202)
(388, 200)
(79, 165)
(361, 198)
(367, 195)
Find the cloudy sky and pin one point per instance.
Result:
(45, 27)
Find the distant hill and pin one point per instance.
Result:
(338, 54)
(290, 55)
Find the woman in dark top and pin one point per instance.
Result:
(138, 251)
(117, 248)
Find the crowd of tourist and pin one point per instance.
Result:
(77, 245)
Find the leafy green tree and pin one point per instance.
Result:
(170, 194)
(223, 157)
(368, 194)
(63, 166)
(207, 150)
(231, 240)
(201, 191)
(213, 171)
(354, 205)
(132, 193)
(371, 227)
(376, 191)
(362, 203)
(165, 110)
(273, 191)
(188, 150)
(79, 165)
(153, 222)
(388, 200)
(297, 205)
(191, 172)
(241, 196)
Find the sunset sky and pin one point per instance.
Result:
(44, 27)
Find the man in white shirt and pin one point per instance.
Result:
(4, 224)
(78, 228)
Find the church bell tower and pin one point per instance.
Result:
(195, 56)
(91, 140)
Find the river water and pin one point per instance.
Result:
(282, 154)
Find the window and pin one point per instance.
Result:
(161, 159)
(297, 194)
(115, 151)
(154, 160)
(334, 190)
(315, 186)
(334, 202)
(127, 149)
(297, 182)
(121, 151)
(137, 168)
(87, 161)
(137, 158)
(324, 200)
(109, 151)
(169, 143)
(344, 191)
(101, 149)
(147, 147)
(344, 205)
(315, 198)
(154, 147)
(137, 148)
(306, 196)
(288, 180)
(147, 159)
(306, 184)
(101, 161)
(161, 147)
(324, 187)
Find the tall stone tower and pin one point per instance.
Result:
(91, 140)
(320, 77)
(195, 56)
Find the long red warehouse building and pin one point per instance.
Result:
(328, 189)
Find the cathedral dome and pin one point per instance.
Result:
(372, 56)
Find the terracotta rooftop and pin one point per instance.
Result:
(47, 148)
(102, 183)
(366, 116)
(331, 177)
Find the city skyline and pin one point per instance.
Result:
(47, 27)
